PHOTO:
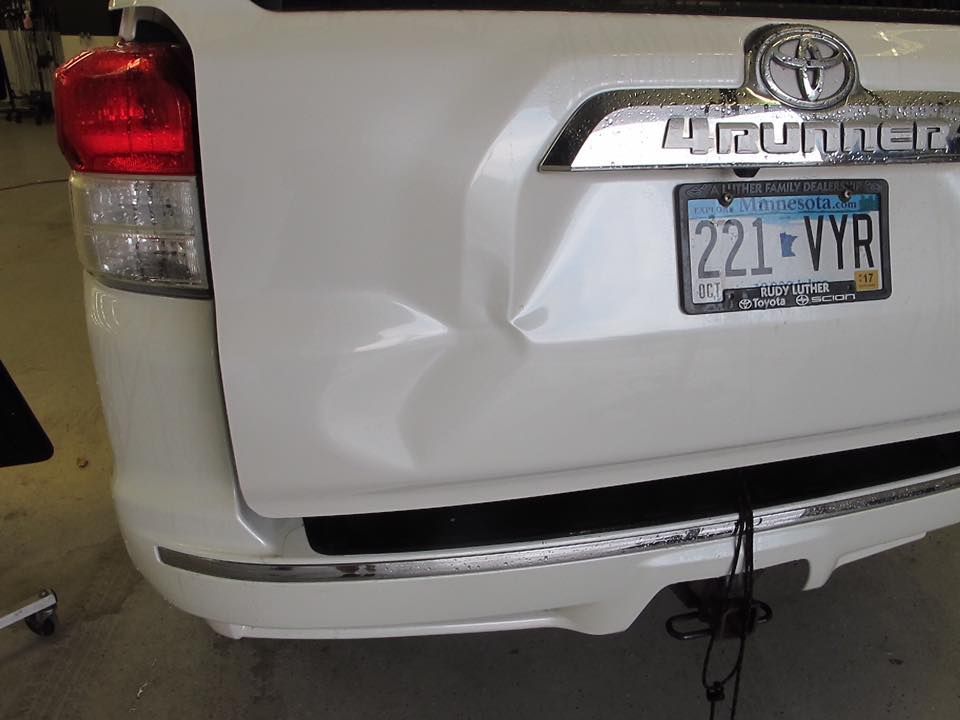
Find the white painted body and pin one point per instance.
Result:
(408, 314)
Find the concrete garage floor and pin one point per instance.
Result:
(881, 640)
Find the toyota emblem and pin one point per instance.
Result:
(805, 67)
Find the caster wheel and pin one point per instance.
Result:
(44, 623)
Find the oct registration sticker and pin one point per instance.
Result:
(748, 246)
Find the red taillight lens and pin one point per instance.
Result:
(125, 125)
(127, 110)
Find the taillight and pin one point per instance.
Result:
(127, 109)
(125, 125)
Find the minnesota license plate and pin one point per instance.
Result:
(776, 244)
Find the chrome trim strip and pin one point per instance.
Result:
(761, 124)
(739, 127)
(574, 551)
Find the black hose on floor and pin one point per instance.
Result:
(32, 183)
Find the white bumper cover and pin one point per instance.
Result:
(596, 596)
(175, 488)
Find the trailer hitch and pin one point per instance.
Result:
(725, 620)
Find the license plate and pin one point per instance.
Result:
(748, 246)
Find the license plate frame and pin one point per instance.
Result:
(802, 293)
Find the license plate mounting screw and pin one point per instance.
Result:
(726, 199)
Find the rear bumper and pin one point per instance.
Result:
(597, 585)
(175, 488)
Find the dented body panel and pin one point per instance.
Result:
(410, 314)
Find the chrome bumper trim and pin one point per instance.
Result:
(570, 551)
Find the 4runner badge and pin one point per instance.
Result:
(801, 104)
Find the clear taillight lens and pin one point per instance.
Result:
(140, 231)
(125, 125)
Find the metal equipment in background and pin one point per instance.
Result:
(32, 53)
(39, 613)
(22, 441)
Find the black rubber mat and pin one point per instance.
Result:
(633, 506)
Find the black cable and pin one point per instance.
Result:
(32, 183)
(743, 532)
(746, 619)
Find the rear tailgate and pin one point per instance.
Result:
(410, 313)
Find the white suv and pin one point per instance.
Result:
(444, 320)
